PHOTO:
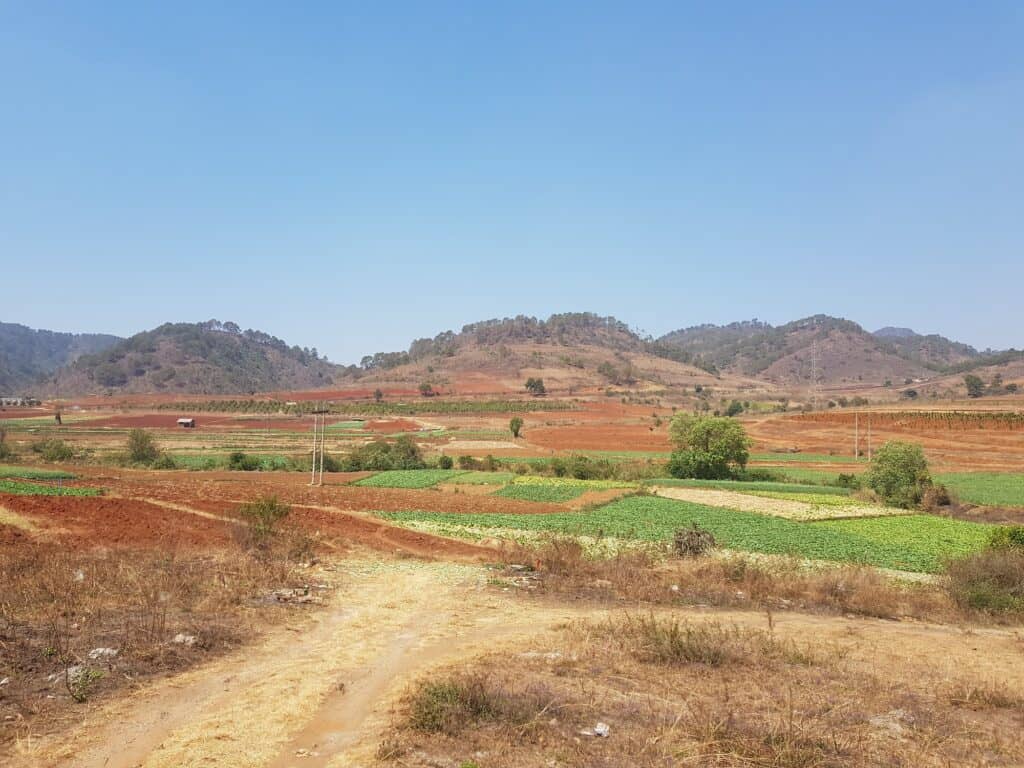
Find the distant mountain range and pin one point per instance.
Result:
(28, 356)
(845, 352)
(577, 349)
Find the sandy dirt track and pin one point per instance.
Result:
(324, 688)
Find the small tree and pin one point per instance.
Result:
(426, 390)
(515, 426)
(535, 386)
(378, 395)
(5, 450)
(444, 461)
(735, 408)
(709, 447)
(975, 386)
(142, 448)
(899, 474)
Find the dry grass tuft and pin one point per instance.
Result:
(991, 581)
(986, 695)
(737, 581)
(452, 704)
(669, 640)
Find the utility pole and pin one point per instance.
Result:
(312, 474)
(869, 436)
(856, 435)
(323, 441)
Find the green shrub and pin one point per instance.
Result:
(847, 480)
(899, 474)
(53, 450)
(6, 452)
(445, 462)
(164, 461)
(242, 462)
(468, 462)
(1007, 537)
(262, 517)
(142, 448)
(380, 456)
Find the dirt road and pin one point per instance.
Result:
(319, 693)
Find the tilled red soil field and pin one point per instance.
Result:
(392, 426)
(949, 449)
(600, 437)
(221, 491)
(115, 522)
(203, 421)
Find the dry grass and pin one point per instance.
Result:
(704, 694)
(669, 640)
(737, 581)
(57, 607)
(991, 581)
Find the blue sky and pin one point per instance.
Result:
(352, 175)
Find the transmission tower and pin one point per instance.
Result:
(815, 375)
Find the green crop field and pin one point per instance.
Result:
(34, 489)
(803, 458)
(34, 473)
(824, 499)
(483, 478)
(741, 486)
(811, 476)
(534, 492)
(912, 543)
(988, 488)
(409, 478)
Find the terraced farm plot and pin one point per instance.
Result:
(409, 478)
(911, 543)
(801, 458)
(482, 478)
(792, 506)
(34, 473)
(987, 488)
(743, 485)
(534, 492)
(18, 488)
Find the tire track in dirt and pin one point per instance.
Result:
(313, 686)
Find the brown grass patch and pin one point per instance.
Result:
(704, 694)
(60, 609)
(736, 581)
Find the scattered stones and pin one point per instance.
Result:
(74, 674)
(299, 595)
(183, 639)
(601, 730)
(103, 653)
(893, 722)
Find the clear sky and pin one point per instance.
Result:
(352, 175)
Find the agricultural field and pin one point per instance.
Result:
(907, 543)
(989, 488)
(410, 478)
(419, 559)
(20, 488)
